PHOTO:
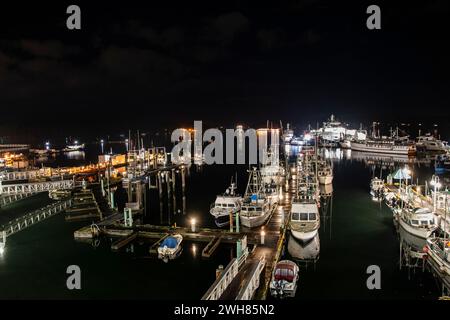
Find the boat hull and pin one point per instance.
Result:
(386, 150)
(325, 179)
(304, 236)
(255, 221)
(418, 232)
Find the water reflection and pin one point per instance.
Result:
(75, 155)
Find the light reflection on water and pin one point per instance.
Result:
(354, 233)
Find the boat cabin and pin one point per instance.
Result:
(422, 218)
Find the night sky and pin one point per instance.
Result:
(135, 65)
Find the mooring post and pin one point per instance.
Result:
(111, 199)
(238, 249)
(231, 221)
(128, 217)
(237, 221)
(102, 185)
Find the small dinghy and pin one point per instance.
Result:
(170, 248)
(284, 279)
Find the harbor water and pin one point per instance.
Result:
(356, 232)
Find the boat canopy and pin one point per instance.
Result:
(169, 242)
(401, 174)
(285, 271)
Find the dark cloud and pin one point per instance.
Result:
(225, 61)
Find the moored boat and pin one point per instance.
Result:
(170, 247)
(256, 207)
(284, 279)
(420, 222)
(226, 204)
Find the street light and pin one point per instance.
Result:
(263, 234)
(437, 185)
(193, 222)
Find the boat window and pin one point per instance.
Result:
(295, 216)
(416, 222)
(424, 222)
(431, 222)
(303, 216)
(258, 209)
(312, 216)
(230, 205)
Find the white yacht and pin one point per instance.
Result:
(256, 207)
(225, 205)
(430, 143)
(420, 222)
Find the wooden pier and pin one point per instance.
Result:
(84, 207)
(34, 217)
(252, 271)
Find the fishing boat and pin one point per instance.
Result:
(226, 204)
(438, 251)
(288, 134)
(256, 207)
(325, 172)
(420, 222)
(305, 218)
(170, 248)
(430, 144)
(383, 145)
(377, 188)
(284, 279)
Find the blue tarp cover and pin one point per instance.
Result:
(170, 242)
(254, 197)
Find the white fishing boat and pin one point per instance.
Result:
(420, 222)
(255, 208)
(226, 204)
(377, 188)
(383, 145)
(325, 172)
(170, 247)
(431, 144)
(386, 145)
(305, 218)
(438, 251)
(284, 279)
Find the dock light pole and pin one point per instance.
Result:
(193, 222)
(263, 235)
(3, 243)
(437, 185)
(237, 221)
